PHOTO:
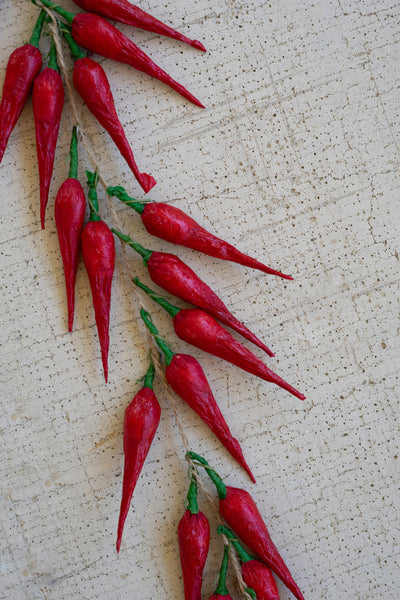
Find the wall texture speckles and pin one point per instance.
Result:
(295, 160)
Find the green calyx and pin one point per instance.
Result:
(221, 588)
(119, 192)
(73, 153)
(142, 251)
(53, 57)
(231, 537)
(170, 308)
(92, 180)
(191, 498)
(149, 377)
(76, 52)
(215, 478)
(251, 593)
(68, 16)
(37, 30)
(165, 349)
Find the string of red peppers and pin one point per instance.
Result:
(198, 326)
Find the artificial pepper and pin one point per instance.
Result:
(221, 593)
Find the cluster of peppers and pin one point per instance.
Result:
(198, 326)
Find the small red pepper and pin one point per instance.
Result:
(222, 592)
(239, 510)
(23, 66)
(140, 425)
(194, 541)
(69, 212)
(187, 379)
(98, 252)
(98, 35)
(172, 274)
(169, 223)
(91, 83)
(201, 330)
(125, 12)
(48, 102)
(256, 575)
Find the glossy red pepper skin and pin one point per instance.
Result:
(258, 577)
(202, 331)
(172, 274)
(98, 252)
(23, 66)
(173, 225)
(91, 83)
(69, 212)
(187, 379)
(142, 418)
(194, 541)
(242, 515)
(97, 35)
(48, 102)
(125, 12)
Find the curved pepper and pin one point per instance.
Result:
(170, 223)
(239, 510)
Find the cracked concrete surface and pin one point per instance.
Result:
(295, 160)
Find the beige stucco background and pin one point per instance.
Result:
(295, 160)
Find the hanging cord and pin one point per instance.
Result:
(130, 275)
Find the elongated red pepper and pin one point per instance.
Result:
(172, 274)
(98, 252)
(187, 379)
(98, 35)
(69, 212)
(239, 510)
(125, 12)
(194, 541)
(140, 425)
(92, 85)
(23, 66)
(221, 592)
(256, 575)
(173, 225)
(48, 102)
(200, 329)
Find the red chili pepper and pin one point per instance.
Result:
(173, 225)
(256, 575)
(23, 66)
(239, 510)
(221, 591)
(125, 12)
(187, 379)
(98, 35)
(172, 274)
(194, 541)
(48, 102)
(140, 425)
(200, 329)
(69, 212)
(92, 85)
(98, 252)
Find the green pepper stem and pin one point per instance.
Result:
(241, 552)
(76, 52)
(221, 588)
(73, 152)
(68, 16)
(92, 179)
(119, 192)
(170, 308)
(191, 498)
(37, 30)
(251, 593)
(215, 478)
(159, 340)
(142, 251)
(53, 57)
(149, 377)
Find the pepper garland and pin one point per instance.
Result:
(183, 373)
